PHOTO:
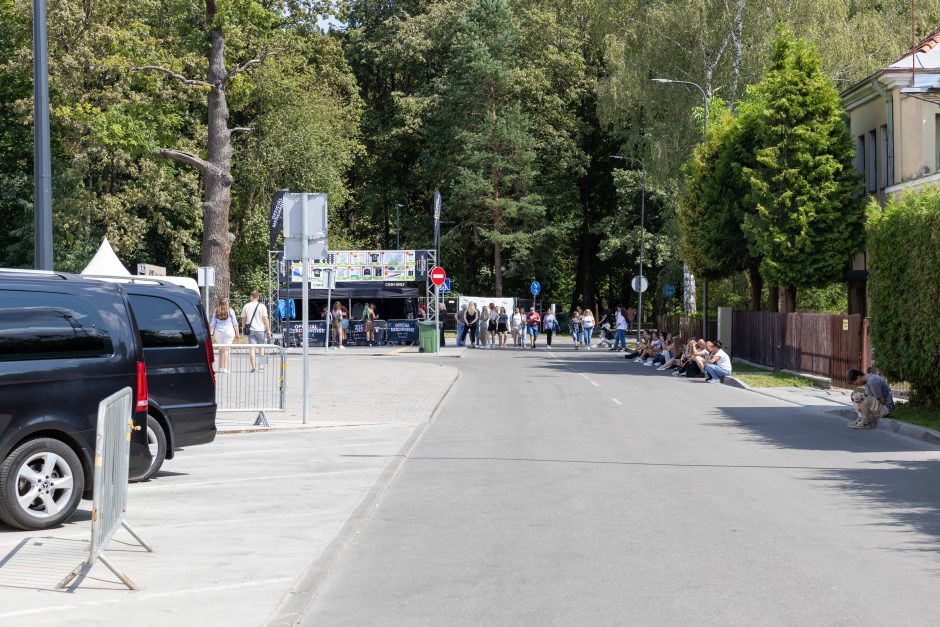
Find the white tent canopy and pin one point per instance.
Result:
(106, 262)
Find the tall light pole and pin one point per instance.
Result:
(639, 313)
(42, 160)
(398, 226)
(669, 81)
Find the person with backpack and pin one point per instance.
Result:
(550, 326)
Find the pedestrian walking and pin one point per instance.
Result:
(587, 327)
(630, 316)
(620, 337)
(225, 329)
(502, 326)
(336, 320)
(492, 325)
(256, 325)
(461, 324)
(518, 327)
(533, 320)
(549, 325)
(574, 327)
(472, 317)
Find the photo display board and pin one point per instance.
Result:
(385, 266)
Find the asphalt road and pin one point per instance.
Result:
(578, 489)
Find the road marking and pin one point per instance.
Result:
(146, 597)
(594, 383)
(580, 373)
(616, 401)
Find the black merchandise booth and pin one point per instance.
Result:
(395, 307)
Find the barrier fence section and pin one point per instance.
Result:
(109, 505)
(251, 378)
(822, 344)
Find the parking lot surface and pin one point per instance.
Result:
(233, 523)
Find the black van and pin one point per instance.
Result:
(66, 343)
(180, 376)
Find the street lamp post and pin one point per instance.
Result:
(639, 313)
(42, 165)
(669, 81)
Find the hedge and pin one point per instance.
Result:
(904, 286)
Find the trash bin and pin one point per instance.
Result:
(427, 336)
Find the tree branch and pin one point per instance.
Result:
(183, 157)
(241, 129)
(247, 65)
(186, 81)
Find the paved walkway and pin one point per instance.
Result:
(350, 387)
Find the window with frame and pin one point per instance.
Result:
(50, 325)
(161, 322)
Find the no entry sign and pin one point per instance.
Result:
(438, 276)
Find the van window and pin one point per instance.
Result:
(44, 325)
(161, 322)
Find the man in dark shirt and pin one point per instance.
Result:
(874, 402)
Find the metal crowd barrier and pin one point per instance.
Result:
(242, 388)
(112, 458)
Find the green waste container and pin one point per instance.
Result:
(427, 336)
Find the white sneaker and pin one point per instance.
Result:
(647, 363)
(676, 373)
(638, 360)
(341, 347)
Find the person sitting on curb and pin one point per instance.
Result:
(695, 368)
(872, 402)
(719, 364)
(641, 345)
(686, 358)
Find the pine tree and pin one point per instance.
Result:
(807, 222)
(488, 143)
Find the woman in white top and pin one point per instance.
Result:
(587, 327)
(225, 328)
(517, 327)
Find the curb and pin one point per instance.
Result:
(305, 589)
(903, 429)
(307, 427)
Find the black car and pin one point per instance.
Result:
(180, 376)
(66, 343)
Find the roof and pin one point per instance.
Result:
(926, 54)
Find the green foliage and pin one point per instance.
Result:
(903, 263)
(807, 222)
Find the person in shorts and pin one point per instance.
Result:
(368, 322)
(532, 321)
(255, 319)
(502, 326)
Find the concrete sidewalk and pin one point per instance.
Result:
(238, 522)
(350, 388)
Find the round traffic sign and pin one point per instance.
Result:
(640, 284)
(536, 288)
(438, 276)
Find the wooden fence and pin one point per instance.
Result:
(821, 344)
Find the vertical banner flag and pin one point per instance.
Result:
(277, 216)
(437, 222)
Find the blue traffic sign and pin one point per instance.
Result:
(445, 289)
(669, 290)
(536, 288)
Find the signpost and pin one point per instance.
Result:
(640, 285)
(205, 278)
(536, 289)
(438, 277)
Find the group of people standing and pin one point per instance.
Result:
(338, 318)
(492, 326)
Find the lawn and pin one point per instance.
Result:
(758, 377)
(924, 416)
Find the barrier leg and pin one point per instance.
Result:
(136, 537)
(124, 578)
(262, 419)
(79, 571)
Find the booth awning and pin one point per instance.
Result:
(356, 291)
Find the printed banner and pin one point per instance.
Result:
(317, 335)
(277, 217)
(403, 331)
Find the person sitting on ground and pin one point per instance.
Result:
(719, 363)
(685, 358)
(650, 352)
(873, 401)
(676, 354)
(666, 353)
(606, 336)
(696, 367)
(642, 343)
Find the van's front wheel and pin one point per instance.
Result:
(41, 483)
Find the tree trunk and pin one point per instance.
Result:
(497, 246)
(789, 299)
(737, 42)
(688, 291)
(757, 287)
(217, 195)
(773, 298)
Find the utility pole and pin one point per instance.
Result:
(42, 159)
(639, 313)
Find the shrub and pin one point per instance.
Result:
(904, 268)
